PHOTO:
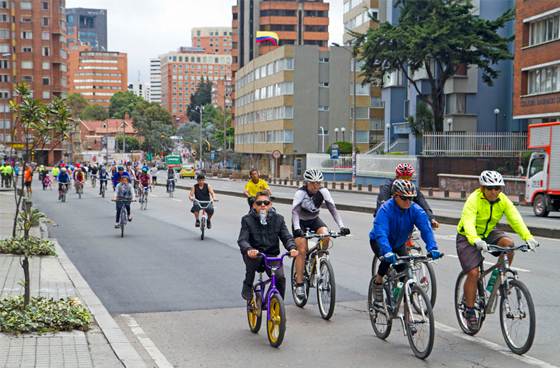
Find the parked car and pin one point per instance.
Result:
(187, 171)
(161, 166)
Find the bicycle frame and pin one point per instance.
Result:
(260, 285)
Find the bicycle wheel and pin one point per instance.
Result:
(300, 302)
(378, 314)
(102, 190)
(202, 226)
(276, 324)
(374, 266)
(326, 288)
(123, 221)
(460, 306)
(517, 316)
(419, 324)
(425, 277)
(80, 193)
(254, 315)
(145, 200)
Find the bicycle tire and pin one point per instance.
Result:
(378, 316)
(326, 288)
(102, 191)
(202, 226)
(303, 301)
(276, 324)
(460, 306)
(254, 316)
(123, 221)
(425, 277)
(63, 196)
(80, 193)
(145, 201)
(420, 329)
(522, 309)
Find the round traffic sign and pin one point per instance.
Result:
(276, 154)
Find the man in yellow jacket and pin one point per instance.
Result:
(482, 211)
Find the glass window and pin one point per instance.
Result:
(26, 5)
(362, 112)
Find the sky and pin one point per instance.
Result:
(144, 29)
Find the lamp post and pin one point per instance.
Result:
(124, 137)
(336, 130)
(388, 126)
(200, 110)
(496, 112)
(322, 134)
(449, 122)
(343, 129)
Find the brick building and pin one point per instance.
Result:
(536, 94)
(214, 40)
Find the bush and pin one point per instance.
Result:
(344, 148)
(396, 153)
(35, 246)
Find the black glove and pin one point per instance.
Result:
(298, 233)
(344, 230)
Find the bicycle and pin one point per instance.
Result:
(144, 198)
(93, 180)
(124, 213)
(64, 190)
(171, 187)
(79, 189)
(318, 272)
(517, 312)
(202, 215)
(424, 275)
(418, 317)
(103, 184)
(271, 301)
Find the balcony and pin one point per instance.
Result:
(278, 20)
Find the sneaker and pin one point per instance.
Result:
(378, 292)
(247, 291)
(472, 321)
(197, 223)
(208, 224)
(117, 225)
(129, 218)
(59, 197)
(300, 291)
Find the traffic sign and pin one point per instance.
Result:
(276, 154)
(212, 155)
(334, 153)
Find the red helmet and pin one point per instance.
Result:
(404, 170)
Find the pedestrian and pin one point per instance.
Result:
(28, 180)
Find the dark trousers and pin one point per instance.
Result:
(119, 205)
(252, 265)
(384, 266)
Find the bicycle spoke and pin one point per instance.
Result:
(517, 316)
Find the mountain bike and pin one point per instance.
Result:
(93, 180)
(418, 317)
(171, 187)
(103, 188)
(79, 189)
(424, 274)
(202, 215)
(270, 301)
(318, 272)
(517, 312)
(64, 191)
(144, 198)
(123, 219)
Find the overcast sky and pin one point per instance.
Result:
(145, 29)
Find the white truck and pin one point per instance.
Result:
(542, 189)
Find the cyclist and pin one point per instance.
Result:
(79, 178)
(117, 176)
(392, 226)
(63, 179)
(153, 172)
(125, 193)
(7, 175)
(258, 236)
(305, 214)
(202, 191)
(254, 186)
(93, 170)
(170, 177)
(103, 178)
(405, 171)
(144, 179)
(482, 211)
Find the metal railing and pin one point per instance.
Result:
(474, 144)
(377, 149)
(400, 145)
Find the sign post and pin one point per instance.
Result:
(276, 155)
(334, 156)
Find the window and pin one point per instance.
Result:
(360, 90)
(324, 84)
(362, 136)
(4, 94)
(543, 80)
(323, 60)
(46, 94)
(45, 5)
(323, 108)
(4, 18)
(4, 34)
(362, 112)
(544, 30)
(45, 21)
(46, 65)
(27, 78)
(4, 64)
(46, 81)
(4, 5)
(4, 78)
(26, 35)
(461, 103)
(26, 5)
(28, 64)
(46, 51)
(46, 36)
(27, 49)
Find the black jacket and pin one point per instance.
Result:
(264, 238)
(385, 194)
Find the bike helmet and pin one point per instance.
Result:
(103, 168)
(404, 188)
(404, 169)
(491, 178)
(63, 169)
(120, 167)
(145, 169)
(313, 175)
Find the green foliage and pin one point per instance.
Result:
(202, 97)
(151, 121)
(77, 103)
(43, 315)
(31, 246)
(132, 143)
(123, 103)
(94, 112)
(397, 153)
(438, 36)
(344, 148)
(424, 121)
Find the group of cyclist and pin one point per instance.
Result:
(400, 208)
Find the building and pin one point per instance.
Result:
(32, 50)
(183, 70)
(140, 89)
(536, 95)
(221, 93)
(155, 80)
(214, 40)
(97, 75)
(87, 27)
(292, 99)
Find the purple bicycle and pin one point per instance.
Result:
(271, 301)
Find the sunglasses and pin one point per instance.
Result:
(493, 188)
(260, 203)
(405, 198)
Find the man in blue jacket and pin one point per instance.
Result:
(393, 224)
(118, 176)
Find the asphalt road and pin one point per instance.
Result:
(182, 294)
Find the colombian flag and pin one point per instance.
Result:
(267, 36)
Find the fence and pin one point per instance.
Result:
(473, 144)
(366, 165)
(323, 161)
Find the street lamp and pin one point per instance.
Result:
(336, 130)
(200, 110)
(496, 112)
(449, 122)
(323, 134)
(343, 129)
(388, 126)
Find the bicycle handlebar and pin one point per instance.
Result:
(418, 257)
(266, 259)
(312, 234)
(497, 248)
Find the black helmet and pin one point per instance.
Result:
(404, 188)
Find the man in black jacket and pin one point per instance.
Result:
(260, 231)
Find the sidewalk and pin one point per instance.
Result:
(103, 345)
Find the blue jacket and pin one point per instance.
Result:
(392, 226)
(63, 177)
(103, 175)
(117, 177)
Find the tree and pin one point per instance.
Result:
(94, 112)
(424, 120)
(77, 103)
(151, 121)
(123, 103)
(132, 143)
(202, 97)
(438, 36)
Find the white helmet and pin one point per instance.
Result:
(491, 178)
(312, 175)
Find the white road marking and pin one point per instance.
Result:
(153, 195)
(154, 352)
(490, 345)
(492, 264)
(177, 200)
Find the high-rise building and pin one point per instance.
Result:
(155, 80)
(32, 50)
(215, 40)
(97, 75)
(536, 91)
(87, 27)
(140, 89)
(221, 93)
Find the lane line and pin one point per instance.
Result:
(492, 264)
(153, 195)
(154, 352)
(176, 200)
(490, 345)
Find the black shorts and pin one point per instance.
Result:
(27, 183)
(469, 256)
(313, 225)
